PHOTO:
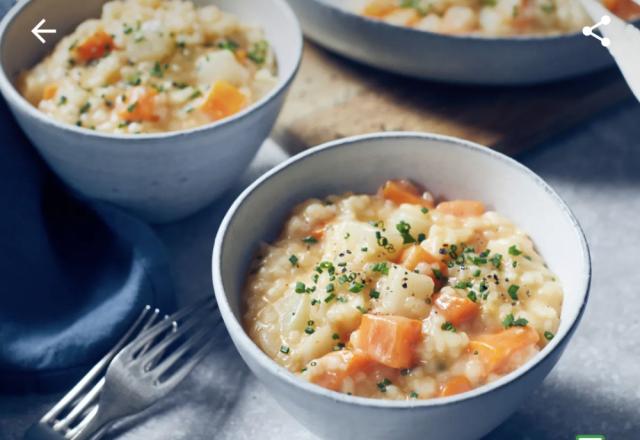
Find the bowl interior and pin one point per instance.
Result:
(20, 50)
(447, 167)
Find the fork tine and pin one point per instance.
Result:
(70, 434)
(188, 365)
(181, 329)
(98, 368)
(79, 407)
(195, 339)
(148, 336)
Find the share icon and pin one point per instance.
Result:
(588, 30)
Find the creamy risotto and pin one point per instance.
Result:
(393, 296)
(152, 66)
(489, 17)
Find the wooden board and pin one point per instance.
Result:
(333, 97)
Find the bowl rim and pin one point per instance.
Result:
(241, 338)
(11, 93)
(518, 39)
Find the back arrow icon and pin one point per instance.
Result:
(37, 31)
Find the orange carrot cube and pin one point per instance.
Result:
(223, 100)
(389, 340)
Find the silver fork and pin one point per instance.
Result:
(144, 371)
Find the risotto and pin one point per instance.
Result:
(490, 17)
(152, 66)
(392, 296)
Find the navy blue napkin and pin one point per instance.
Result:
(73, 274)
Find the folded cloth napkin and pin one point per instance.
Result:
(73, 274)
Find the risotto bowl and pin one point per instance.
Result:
(160, 176)
(447, 167)
(468, 59)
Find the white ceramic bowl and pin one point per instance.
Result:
(161, 177)
(460, 59)
(448, 167)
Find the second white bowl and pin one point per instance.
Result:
(160, 177)
(452, 58)
(447, 167)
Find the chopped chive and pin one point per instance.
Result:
(510, 321)
(300, 287)
(447, 326)
(496, 260)
(382, 268)
(382, 386)
(463, 284)
(284, 349)
(228, 45)
(404, 229)
(513, 291)
(309, 330)
(513, 250)
(293, 260)
(374, 294)
(548, 335)
(258, 53)
(309, 240)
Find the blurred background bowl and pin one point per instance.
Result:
(160, 177)
(447, 167)
(470, 59)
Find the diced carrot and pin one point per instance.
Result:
(456, 310)
(402, 191)
(223, 100)
(495, 350)
(389, 340)
(241, 56)
(95, 47)
(49, 91)
(625, 9)
(412, 256)
(333, 368)
(140, 105)
(378, 10)
(461, 208)
(317, 233)
(455, 385)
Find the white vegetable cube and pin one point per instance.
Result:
(150, 43)
(404, 293)
(221, 65)
(439, 235)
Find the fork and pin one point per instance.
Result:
(145, 370)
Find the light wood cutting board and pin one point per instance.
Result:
(333, 97)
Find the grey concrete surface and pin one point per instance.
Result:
(595, 388)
